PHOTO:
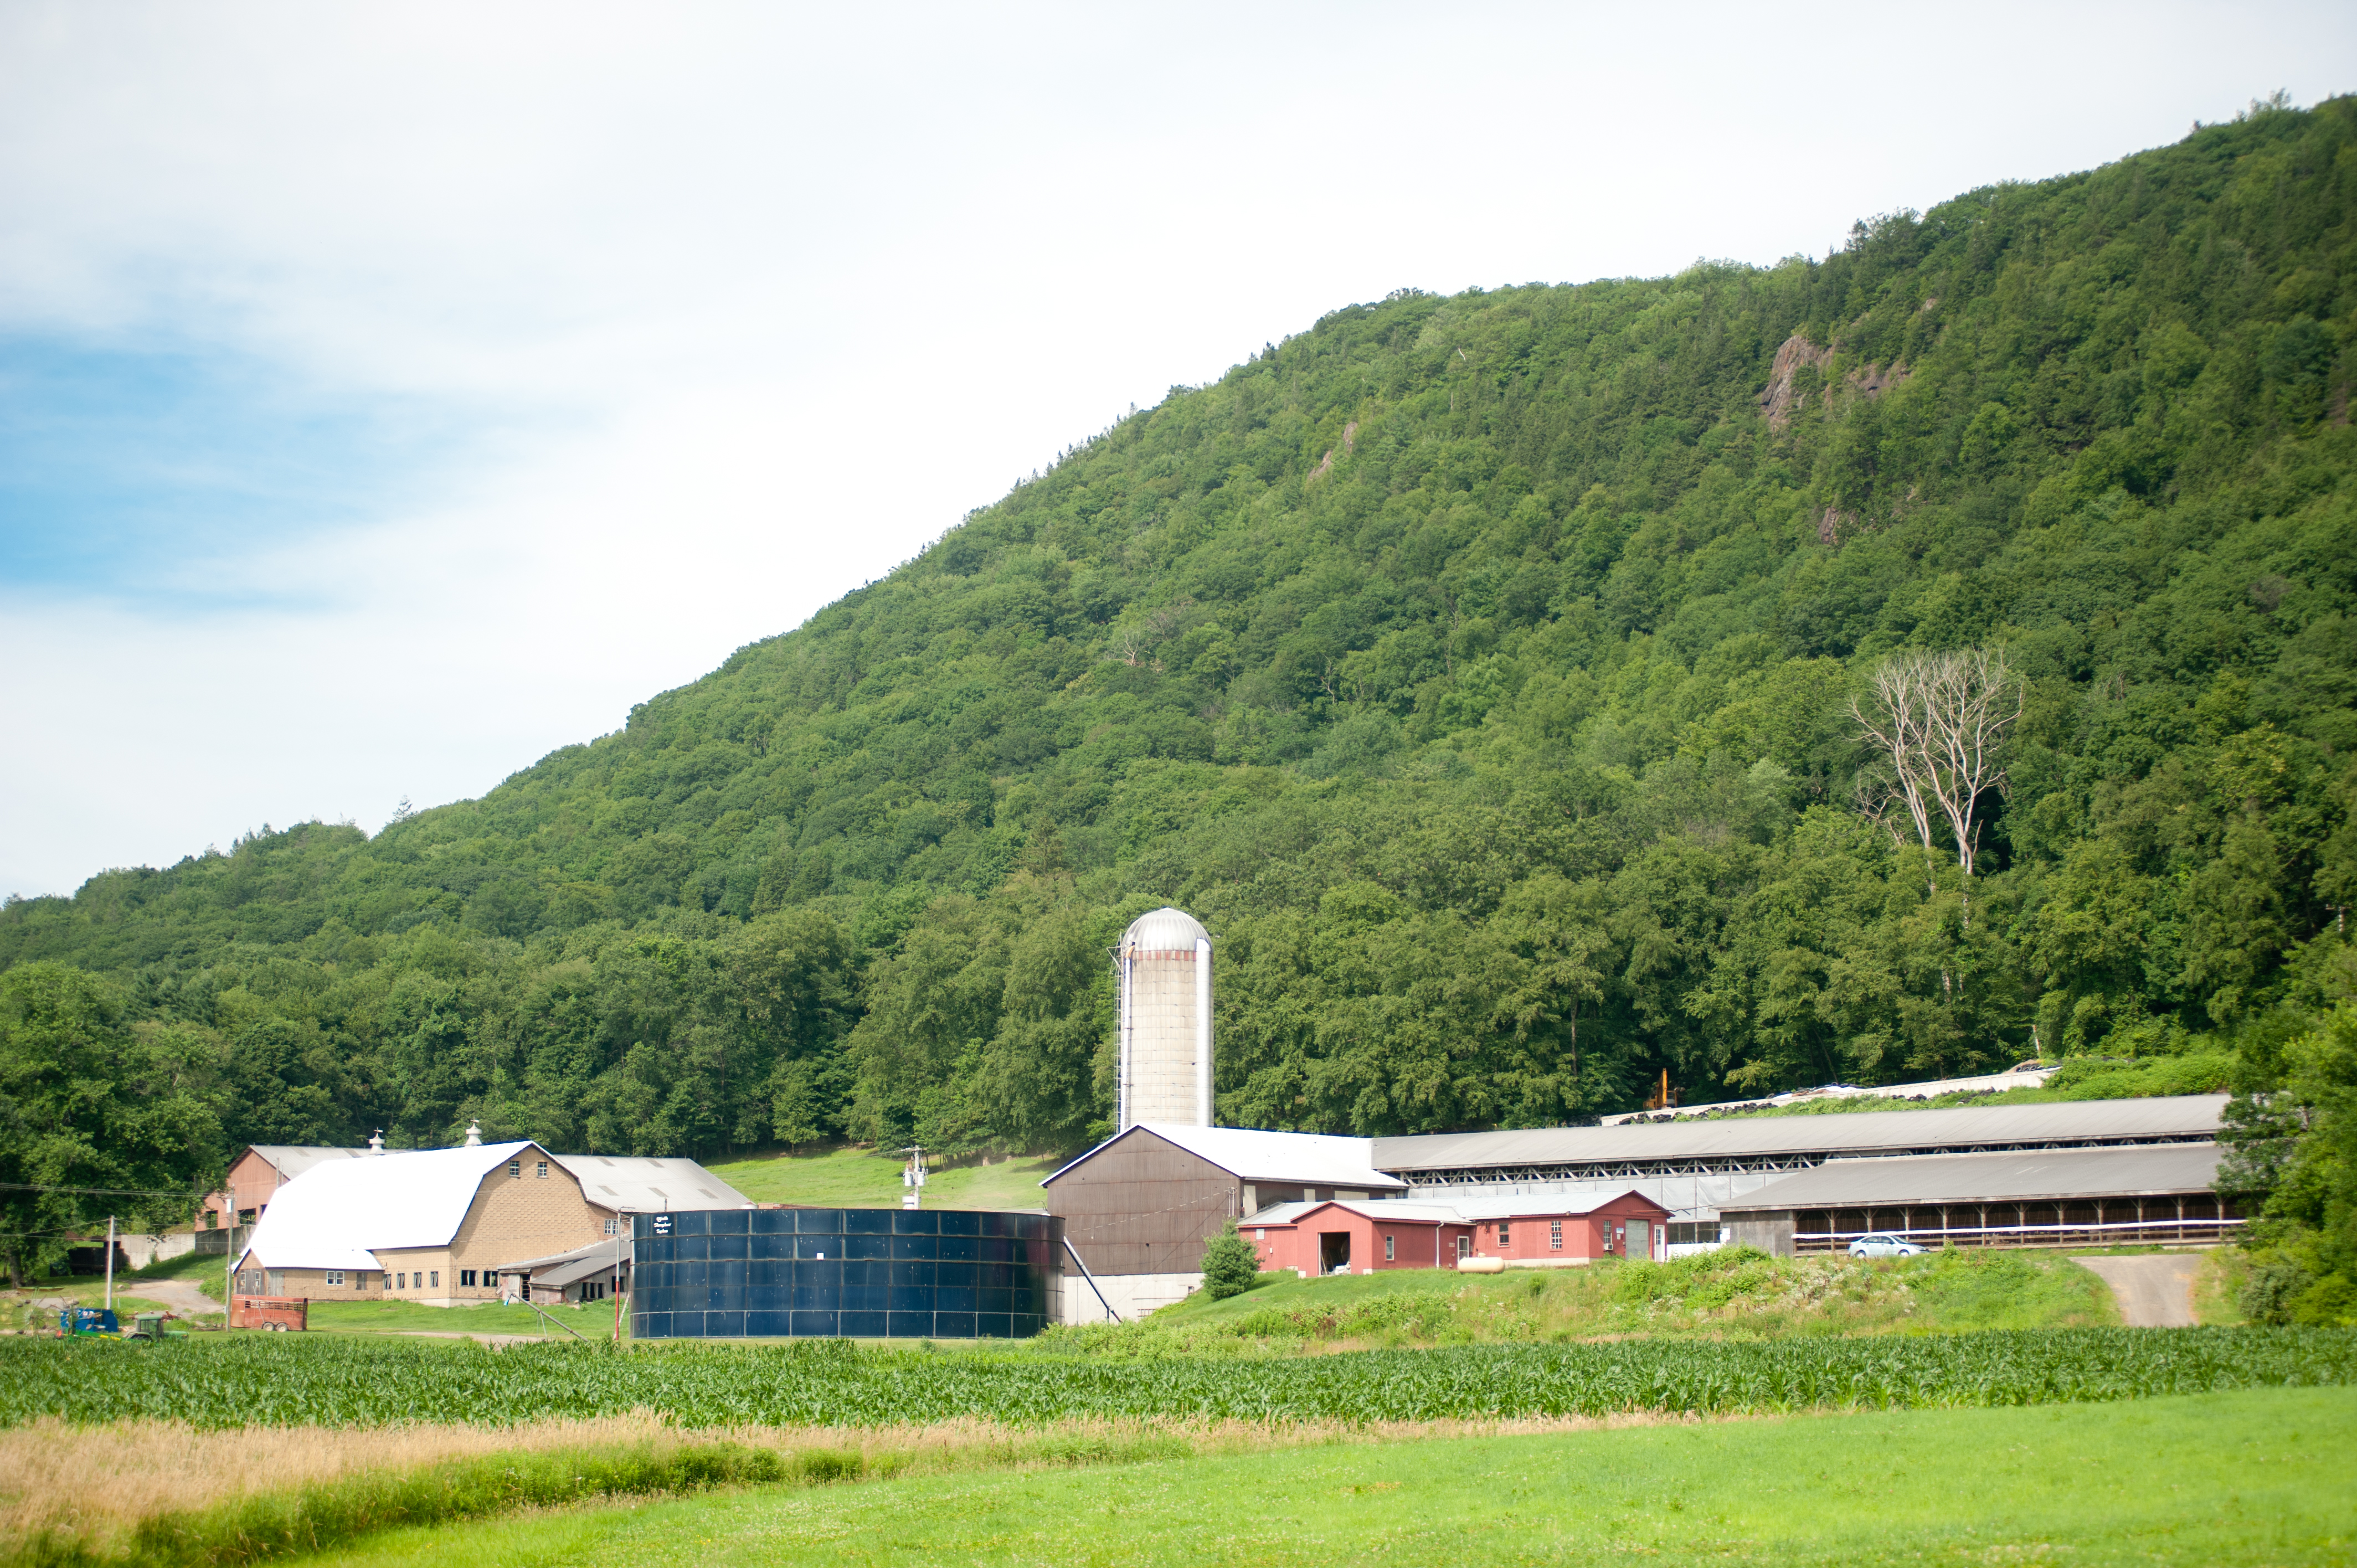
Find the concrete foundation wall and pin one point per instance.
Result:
(1131, 1295)
(144, 1250)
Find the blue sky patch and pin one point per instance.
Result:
(120, 464)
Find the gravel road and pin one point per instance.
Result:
(2155, 1290)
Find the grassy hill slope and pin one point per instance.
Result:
(1734, 1294)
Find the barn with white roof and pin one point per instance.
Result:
(1138, 1209)
(440, 1226)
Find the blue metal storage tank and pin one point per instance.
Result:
(930, 1273)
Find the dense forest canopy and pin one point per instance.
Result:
(1487, 673)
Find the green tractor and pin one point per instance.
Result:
(99, 1323)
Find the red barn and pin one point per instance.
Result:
(1359, 1237)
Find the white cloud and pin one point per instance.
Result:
(760, 299)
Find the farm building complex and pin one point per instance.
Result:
(1147, 1201)
(449, 1226)
(1121, 1228)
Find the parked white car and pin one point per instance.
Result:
(1883, 1244)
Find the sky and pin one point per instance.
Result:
(390, 396)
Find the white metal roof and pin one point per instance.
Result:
(579, 1263)
(634, 1185)
(1411, 1212)
(579, 1269)
(1865, 1131)
(334, 1214)
(1304, 1159)
(2039, 1175)
(290, 1160)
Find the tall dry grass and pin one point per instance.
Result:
(96, 1483)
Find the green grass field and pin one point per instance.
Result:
(2258, 1476)
(593, 1321)
(1732, 1294)
(861, 1177)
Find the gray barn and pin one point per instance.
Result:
(2059, 1197)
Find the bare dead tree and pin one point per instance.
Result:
(1942, 720)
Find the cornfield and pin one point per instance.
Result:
(291, 1380)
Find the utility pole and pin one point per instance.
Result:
(109, 1263)
(622, 1217)
(912, 1176)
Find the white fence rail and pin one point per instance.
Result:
(2191, 1232)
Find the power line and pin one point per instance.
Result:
(102, 1191)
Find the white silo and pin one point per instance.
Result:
(1164, 965)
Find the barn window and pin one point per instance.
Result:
(613, 1227)
(401, 1281)
(437, 1278)
(1388, 1253)
(543, 1172)
(335, 1276)
(1504, 1240)
(466, 1278)
(1554, 1234)
(515, 1168)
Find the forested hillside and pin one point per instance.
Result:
(1480, 670)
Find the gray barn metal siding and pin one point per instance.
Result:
(1142, 1205)
(2054, 1197)
(1764, 1146)
(2062, 1174)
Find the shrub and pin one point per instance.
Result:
(1230, 1267)
(2273, 1286)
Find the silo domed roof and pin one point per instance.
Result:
(1164, 930)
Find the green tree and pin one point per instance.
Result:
(96, 1117)
(1230, 1267)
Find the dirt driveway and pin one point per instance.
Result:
(177, 1295)
(2155, 1290)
